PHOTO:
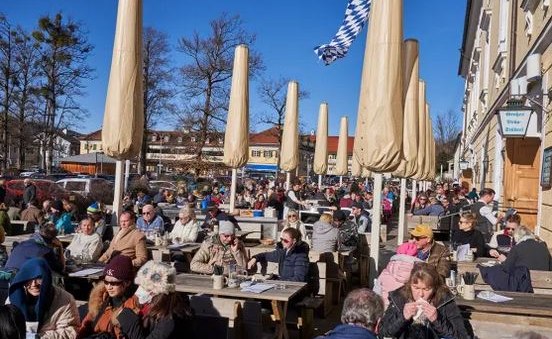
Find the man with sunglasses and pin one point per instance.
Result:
(150, 222)
(221, 249)
(502, 243)
(429, 251)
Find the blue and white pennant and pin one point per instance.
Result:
(355, 17)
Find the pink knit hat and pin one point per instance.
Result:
(407, 248)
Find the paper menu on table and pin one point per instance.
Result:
(86, 272)
(258, 288)
(491, 296)
(462, 252)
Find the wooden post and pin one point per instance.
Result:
(401, 229)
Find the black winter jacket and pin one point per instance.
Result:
(166, 328)
(293, 265)
(449, 323)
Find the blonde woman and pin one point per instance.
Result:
(186, 228)
(324, 234)
(292, 221)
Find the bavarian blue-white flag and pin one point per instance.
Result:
(355, 17)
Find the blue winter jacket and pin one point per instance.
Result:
(293, 265)
(347, 331)
(35, 247)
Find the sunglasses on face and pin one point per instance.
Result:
(292, 216)
(146, 213)
(286, 241)
(112, 283)
(510, 229)
(419, 238)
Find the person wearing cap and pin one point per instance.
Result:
(128, 241)
(33, 214)
(361, 218)
(49, 311)
(164, 313)
(150, 222)
(397, 271)
(221, 249)
(102, 229)
(429, 251)
(113, 293)
(43, 244)
(86, 244)
(61, 218)
(214, 214)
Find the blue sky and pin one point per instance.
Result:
(287, 31)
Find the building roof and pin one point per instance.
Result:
(94, 136)
(333, 141)
(266, 137)
(89, 158)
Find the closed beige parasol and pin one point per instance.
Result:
(123, 124)
(320, 165)
(380, 111)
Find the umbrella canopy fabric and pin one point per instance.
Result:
(123, 124)
(380, 111)
(341, 160)
(289, 153)
(422, 113)
(320, 165)
(236, 138)
(407, 167)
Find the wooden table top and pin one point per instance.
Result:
(528, 304)
(189, 248)
(195, 283)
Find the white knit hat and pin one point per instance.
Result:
(226, 227)
(157, 278)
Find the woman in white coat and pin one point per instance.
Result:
(186, 228)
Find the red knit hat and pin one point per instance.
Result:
(120, 267)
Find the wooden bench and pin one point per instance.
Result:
(526, 309)
(219, 307)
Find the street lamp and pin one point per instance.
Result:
(463, 164)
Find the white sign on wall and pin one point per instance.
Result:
(513, 123)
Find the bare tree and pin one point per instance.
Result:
(158, 84)
(26, 100)
(8, 73)
(446, 127)
(206, 79)
(64, 50)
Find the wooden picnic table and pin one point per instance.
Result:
(195, 283)
(188, 250)
(525, 309)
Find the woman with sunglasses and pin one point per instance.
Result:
(423, 308)
(467, 234)
(292, 257)
(293, 221)
(49, 311)
(108, 298)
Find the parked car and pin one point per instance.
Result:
(155, 185)
(96, 189)
(45, 189)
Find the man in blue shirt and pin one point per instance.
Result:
(149, 221)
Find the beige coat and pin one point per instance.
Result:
(211, 252)
(62, 320)
(130, 242)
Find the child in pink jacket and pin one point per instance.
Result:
(397, 272)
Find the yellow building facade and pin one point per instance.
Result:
(506, 57)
